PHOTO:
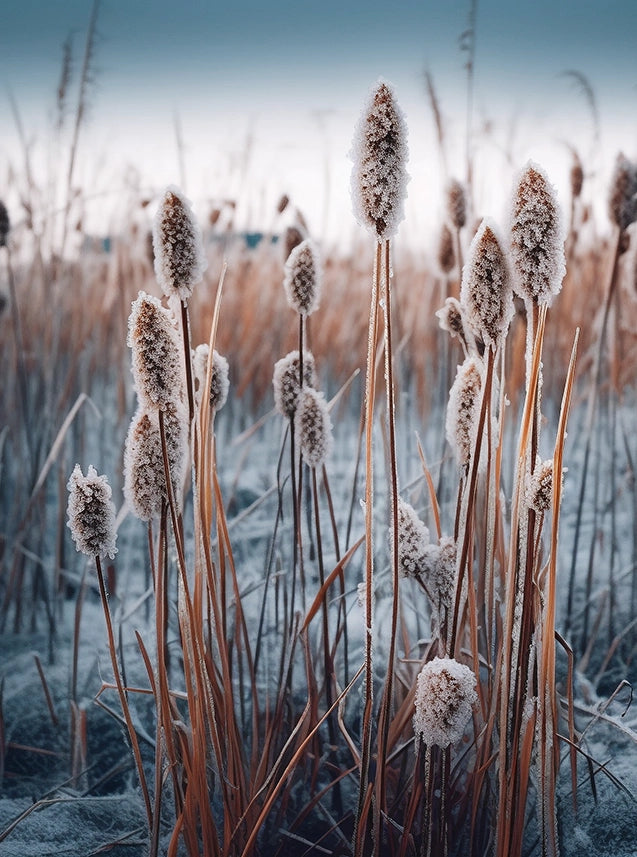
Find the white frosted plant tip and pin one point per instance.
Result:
(463, 410)
(379, 152)
(302, 278)
(413, 541)
(286, 378)
(445, 695)
(91, 513)
(537, 237)
(177, 245)
(313, 427)
(622, 202)
(156, 355)
(486, 292)
(219, 380)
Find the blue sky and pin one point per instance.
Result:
(279, 86)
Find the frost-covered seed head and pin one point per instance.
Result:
(442, 580)
(4, 224)
(486, 291)
(286, 381)
(91, 513)
(537, 238)
(413, 540)
(219, 381)
(379, 152)
(178, 247)
(456, 203)
(446, 252)
(313, 427)
(451, 318)
(156, 357)
(622, 203)
(302, 278)
(539, 493)
(292, 238)
(463, 409)
(445, 694)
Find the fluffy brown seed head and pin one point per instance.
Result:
(622, 203)
(446, 252)
(463, 409)
(539, 493)
(91, 513)
(537, 239)
(286, 381)
(445, 695)
(456, 203)
(156, 355)
(177, 244)
(219, 381)
(486, 291)
(302, 278)
(379, 152)
(313, 427)
(4, 224)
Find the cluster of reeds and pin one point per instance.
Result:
(392, 691)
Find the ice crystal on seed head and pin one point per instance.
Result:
(537, 238)
(177, 244)
(219, 381)
(456, 203)
(91, 513)
(486, 291)
(286, 381)
(379, 152)
(313, 427)
(302, 281)
(156, 357)
(445, 694)
(413, 540)
(539, 493)
(463, 408)
(622, 203)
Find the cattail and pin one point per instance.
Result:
(456, 203)
(313, 427)
(156, 358)
(486, 291)
(302, 280)
(576, 176)
(179, 255)
(440, 577)
(286, 381)
(379, 152)
(451, 318)
(413, 541)
(4, 224)
(293, 236)
(463, 409)
(445, 694)
(91, 513)
(539, 493)
(622, 203)
(219, 382)
(537, 239)
(446, 252)
(283, 203)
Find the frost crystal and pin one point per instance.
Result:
(379, 152)
(539, 493)
(302, 278)
(537, 238)
(91, 513)
(286, 381)
(456, 203)
(463, 409)
(177, 244)
(313, 427)
(446, 253)
(219, 381)
(486, 291)
(622, 203)
(156, 358)
(445, 694)
(413, 541)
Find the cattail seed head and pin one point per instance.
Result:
(463, 409)
(286, 381)
(313, 427)
(293, 236)
(539, 493)
(486, 291)
(413, 540)
(91, 513)
(537, 237)
(451, 318)
(4, 224)
(379, 152)
(178, 247)
(219, 381)
(441, 577)
(622, 203)
(456, 203)
(156, 355)
(302, 280)
(445, 694)
(576, 176)
(446, 252)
